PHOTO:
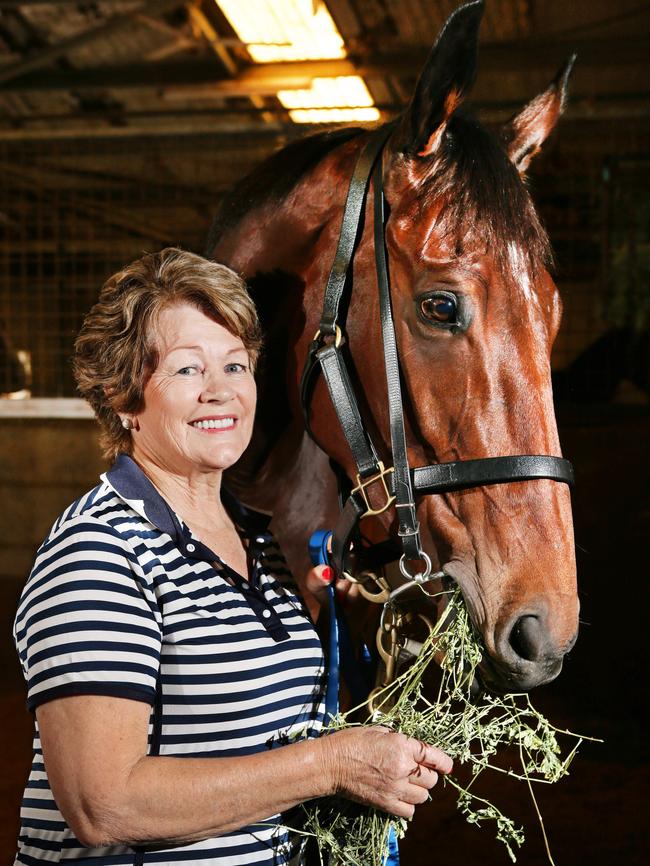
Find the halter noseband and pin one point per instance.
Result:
(398, 483)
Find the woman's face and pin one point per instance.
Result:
(199, 403)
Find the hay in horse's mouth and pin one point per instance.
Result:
(477, 686)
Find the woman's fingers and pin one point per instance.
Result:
(414, 795)
(318, 579)
(402, 810)
(432, 757)
(404, 800)
(347, 591)
(423, 776)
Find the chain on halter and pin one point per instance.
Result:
(393, 639)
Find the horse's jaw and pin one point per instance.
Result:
(503, 669)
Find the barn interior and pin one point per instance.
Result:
(122, 125)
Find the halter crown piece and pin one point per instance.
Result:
(398, 483)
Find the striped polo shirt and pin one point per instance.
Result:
(123, 600)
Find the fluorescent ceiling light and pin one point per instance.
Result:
(343, 99)
(285, 30)
(290, 29)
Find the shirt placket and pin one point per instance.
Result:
(252, 590)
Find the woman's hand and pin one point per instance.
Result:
(320, 577)
(378, 767)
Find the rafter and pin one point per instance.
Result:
(45, 56)
(268, 78)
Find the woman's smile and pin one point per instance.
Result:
(214, 423)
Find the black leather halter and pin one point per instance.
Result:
(398, 483)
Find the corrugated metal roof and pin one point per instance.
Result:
(130, 73)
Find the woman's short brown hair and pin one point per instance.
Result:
(115, 352)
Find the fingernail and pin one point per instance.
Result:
(327, 574)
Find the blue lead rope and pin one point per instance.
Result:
(339, 638)
(319, 555)
(392, 855)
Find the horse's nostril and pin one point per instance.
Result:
(527, 638)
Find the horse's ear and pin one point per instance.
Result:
(447, 75)
(525, 133)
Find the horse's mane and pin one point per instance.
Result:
(483, 194)
(273, 179)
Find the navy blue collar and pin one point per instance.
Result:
(132, 485)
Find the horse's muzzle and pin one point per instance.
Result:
(519, 677)
(526, 654)
(522, 652)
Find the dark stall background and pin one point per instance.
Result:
(122, 124)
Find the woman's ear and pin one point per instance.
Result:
(525, 133)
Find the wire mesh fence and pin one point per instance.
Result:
(74, 211)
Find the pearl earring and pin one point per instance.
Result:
(127, 423)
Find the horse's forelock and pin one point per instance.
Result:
(481, 202)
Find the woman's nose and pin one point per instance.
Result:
(216, 390)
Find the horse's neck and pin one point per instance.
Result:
(280, 235)
(297, 486)
(262, 247)
(284, 251)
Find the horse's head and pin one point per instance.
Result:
(476, 313)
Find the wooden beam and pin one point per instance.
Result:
(45, 56)
(46, 407)
(267, 78)
(15, 4)
(172, 127)
(168, 77)
(595, 123)
(580, 108)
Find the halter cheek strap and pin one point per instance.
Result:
(409, 526)
(398, 483)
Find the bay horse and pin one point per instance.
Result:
(476, 313)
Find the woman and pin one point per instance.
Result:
(159, 622)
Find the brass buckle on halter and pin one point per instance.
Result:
(338, 336)
(362, 485)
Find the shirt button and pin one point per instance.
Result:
(266, 614)
(191, 548)
(260, 539)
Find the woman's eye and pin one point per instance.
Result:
(236, 368)
(440, 308)
(188, 371)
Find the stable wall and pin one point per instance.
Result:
(45, 464)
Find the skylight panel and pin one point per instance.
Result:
(292, 30)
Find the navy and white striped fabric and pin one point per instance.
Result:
(124, 601)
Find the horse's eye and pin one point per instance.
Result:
(440, 308)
